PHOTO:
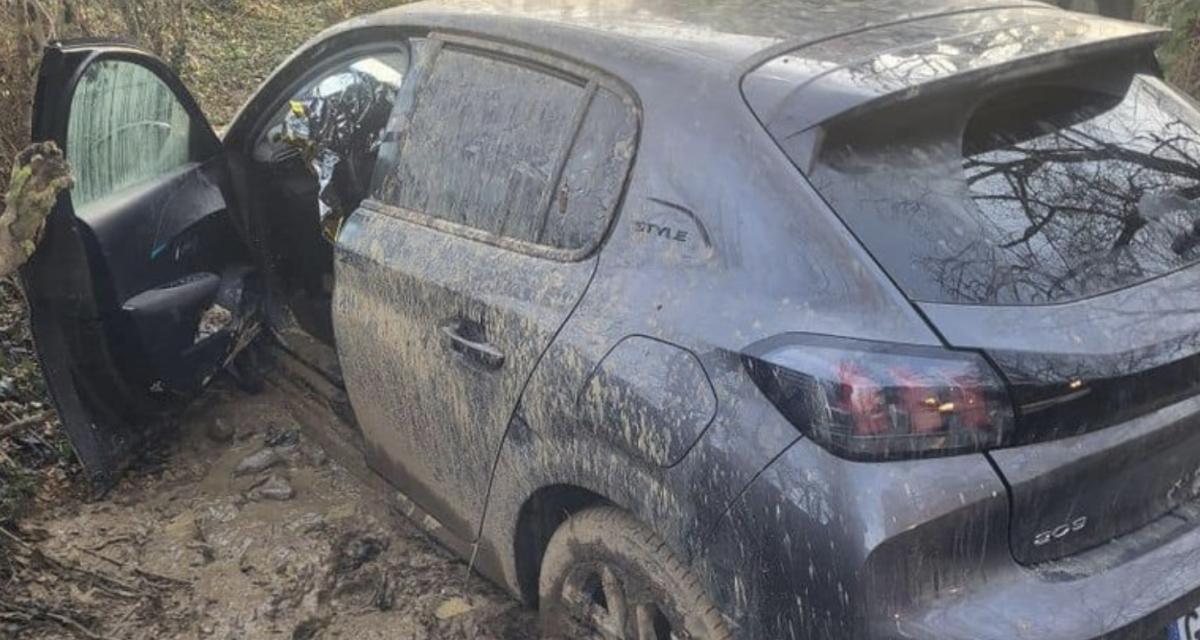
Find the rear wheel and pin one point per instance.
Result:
(606, 576)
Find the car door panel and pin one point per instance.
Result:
(167, 248)
(154, 225)
(432, 412)
(497, 181)
(137, 251)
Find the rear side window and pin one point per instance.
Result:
(1041, 194)
(593, 177)
(516, 151)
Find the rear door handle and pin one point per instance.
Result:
(481, 352)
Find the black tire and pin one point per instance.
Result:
(606, 575)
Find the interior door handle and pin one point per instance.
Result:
(482, 352)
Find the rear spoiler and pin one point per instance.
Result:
(796, 92)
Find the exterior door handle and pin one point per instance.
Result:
(483, 353)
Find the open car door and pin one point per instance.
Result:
(142, 287)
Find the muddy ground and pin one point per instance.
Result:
(201, 541)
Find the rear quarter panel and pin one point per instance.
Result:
(720, 242)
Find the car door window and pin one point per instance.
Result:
(518, 151)
(594, 176)
(484, 141)
(126, 127)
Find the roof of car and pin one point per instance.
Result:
(836, 54)
(731, 30)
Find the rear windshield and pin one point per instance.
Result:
(1042, 194)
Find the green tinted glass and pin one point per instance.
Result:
(126, 127)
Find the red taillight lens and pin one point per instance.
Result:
(877, 400)
(862, 400)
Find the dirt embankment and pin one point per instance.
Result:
(240, 529)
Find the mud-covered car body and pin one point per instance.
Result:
(502, 376)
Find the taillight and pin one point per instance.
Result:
(874, 400)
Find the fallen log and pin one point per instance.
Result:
(38, 175)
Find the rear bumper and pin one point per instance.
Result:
(1136, 599)
(819, 547)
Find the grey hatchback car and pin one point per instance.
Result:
(742, 318)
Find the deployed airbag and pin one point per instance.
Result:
(338, 128)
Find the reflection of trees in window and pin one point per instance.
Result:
(991, 40)
(1077, 194)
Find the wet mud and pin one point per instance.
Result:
(240, 527)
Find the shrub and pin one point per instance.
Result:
(1181, 54)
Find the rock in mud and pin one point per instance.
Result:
(314, 455)
(356, 550)
(280, 437)
(275, 487)
(220, 431)
(258, 462)
(309, 629)
(453, 608)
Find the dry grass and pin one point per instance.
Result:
(1182, 54)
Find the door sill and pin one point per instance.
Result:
(313, 403)
(313, 353)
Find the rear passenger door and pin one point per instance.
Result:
(500, 178)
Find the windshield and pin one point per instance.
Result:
(1040, 195)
